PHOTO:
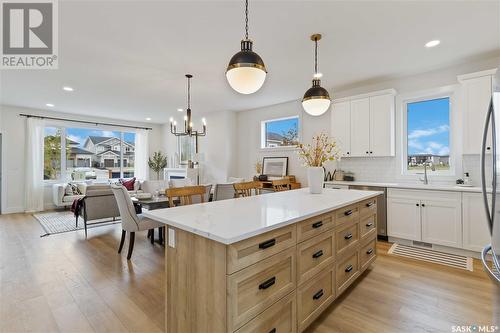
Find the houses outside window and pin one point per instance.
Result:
(282, 132)
(88, 153)
(428, 135)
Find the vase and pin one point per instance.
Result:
(315, 177)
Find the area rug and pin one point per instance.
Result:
(59, 222)
(433, 256)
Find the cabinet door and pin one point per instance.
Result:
(403, 218)
(442, 222)
(382, 126)
(341, 126)
(475, 228)
(360, 127)
(477, 95)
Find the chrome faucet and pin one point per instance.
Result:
(425, 180)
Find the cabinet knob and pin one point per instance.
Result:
(367, 152)
(371, 152)
(488, 148)
(423, 205)
(417, 205)
(347, 153)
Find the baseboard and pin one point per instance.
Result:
(12, 210)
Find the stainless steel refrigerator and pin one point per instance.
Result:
(490, 181)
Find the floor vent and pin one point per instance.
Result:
(429, 255)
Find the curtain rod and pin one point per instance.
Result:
(83, 121)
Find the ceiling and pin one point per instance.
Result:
(127, 59)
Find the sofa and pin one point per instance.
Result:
(62, 196)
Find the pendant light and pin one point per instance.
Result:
(316, 100)
(246, 71)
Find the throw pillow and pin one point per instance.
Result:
(129, 184)
(75, 189)
(68, 190)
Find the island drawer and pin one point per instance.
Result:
(314, 255)
(367, 254)
(368, 207)
(347, 272)
(314, 296)
(249, 251)
(346, 237)
(255, 288)
(347, 215)
(280, 317)
(367, 224)
(314, 226)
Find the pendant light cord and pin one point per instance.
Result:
(315, 56)
(189, 93)
(246, 19)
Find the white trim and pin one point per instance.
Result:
(391, 91)
(403, 100)
(469, 76)
(279, 148)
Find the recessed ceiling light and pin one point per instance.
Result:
(148, 119)
(50, 105)
(68, 88)
(432, 43)
(180, 110)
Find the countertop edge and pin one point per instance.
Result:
(408, 186)
(229, 241)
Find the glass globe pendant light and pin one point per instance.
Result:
(246, 71)
(316, 100)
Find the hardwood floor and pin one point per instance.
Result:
(68, 284)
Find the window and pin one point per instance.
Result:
(428, 134)
(186, 148)
(88, 154)
(283, 132)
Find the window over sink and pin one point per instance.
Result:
(279, 133)
(428, 135)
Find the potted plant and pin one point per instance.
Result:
(157, 163)
(314, 155)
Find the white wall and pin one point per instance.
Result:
(12, 127)
(369, 169)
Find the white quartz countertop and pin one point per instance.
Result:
(230, 221)
(415, 186)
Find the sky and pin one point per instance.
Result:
(80, 134)
(429, 127)
(282, 126)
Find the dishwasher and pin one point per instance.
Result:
(381, 208)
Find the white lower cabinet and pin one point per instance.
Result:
(475, 227)
(403, 218)
(429, 216)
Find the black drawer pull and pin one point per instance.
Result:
(318, 295)
(348, 269)
(317, 224)
(348, 236)
(268, 243)
(347, 213)
(273, 330)
(266, 284)
(369, 224)
(370, 251)
(318, 254)
(370, 204)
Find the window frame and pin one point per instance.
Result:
(437, 93)
(278, 148)
(63, 126)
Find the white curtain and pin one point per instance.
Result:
(141, 154)
(34, 165)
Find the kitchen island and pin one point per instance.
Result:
(268, 263)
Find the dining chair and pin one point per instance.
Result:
(185, 194)
(281, 185)
(131, 221)
(206, 195)
(224, 192)
(245, 189)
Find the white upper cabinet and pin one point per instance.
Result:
(476, 93)
(364, 124)
(382, 125)
(341, 122)
(360, 127)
